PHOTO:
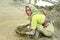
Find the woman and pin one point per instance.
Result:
(38, 21)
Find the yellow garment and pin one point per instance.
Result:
(37, 19)
(48, 31)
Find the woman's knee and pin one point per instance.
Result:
(48, 34)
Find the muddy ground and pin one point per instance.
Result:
(11, 16)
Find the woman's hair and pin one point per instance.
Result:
(26, 7)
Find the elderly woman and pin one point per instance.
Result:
(38, 21)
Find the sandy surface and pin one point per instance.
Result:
(11, 16)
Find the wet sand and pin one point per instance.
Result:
(11, 16)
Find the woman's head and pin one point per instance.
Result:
(28, 10)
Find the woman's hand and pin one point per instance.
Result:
(46, 23)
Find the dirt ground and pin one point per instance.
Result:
(11, 16)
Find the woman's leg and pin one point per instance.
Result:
(48, 31)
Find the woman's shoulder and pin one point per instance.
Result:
(37, 13)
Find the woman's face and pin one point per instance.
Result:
(28, 11)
